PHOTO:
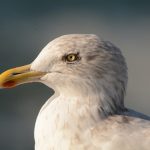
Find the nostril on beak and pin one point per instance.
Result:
(15, 73)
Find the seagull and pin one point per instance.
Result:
(86, 112)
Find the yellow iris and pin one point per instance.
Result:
(71, 57)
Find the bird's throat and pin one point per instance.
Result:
(65, 117)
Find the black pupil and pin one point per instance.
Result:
(71, 57)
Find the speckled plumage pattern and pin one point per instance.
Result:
(87, 111)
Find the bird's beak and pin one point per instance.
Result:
(19, 75)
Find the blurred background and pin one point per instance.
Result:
(27, 26)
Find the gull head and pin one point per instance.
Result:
(77, 65)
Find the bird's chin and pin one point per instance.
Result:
(51, 80)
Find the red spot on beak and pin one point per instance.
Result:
(9, 84)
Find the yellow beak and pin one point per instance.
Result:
(19, 75)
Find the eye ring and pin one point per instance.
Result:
(71, 57)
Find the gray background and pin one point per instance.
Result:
(27, 26)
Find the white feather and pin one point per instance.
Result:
(87, 112)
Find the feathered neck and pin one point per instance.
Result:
(102, 99)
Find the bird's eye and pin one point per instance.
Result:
(71, 57)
